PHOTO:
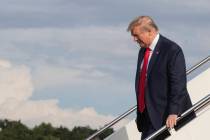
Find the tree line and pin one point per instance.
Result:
(15, 130)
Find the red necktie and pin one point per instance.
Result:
(142, 80)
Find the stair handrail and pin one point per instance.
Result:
(196, 107)
(120, 117)
(205, 60)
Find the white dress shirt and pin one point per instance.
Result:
(152, 48)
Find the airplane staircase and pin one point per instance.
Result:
(186, 129)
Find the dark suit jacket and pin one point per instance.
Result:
(166, 91)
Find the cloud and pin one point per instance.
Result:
(103, 47)
(98, 59)
(15, 91)
(68, 13)
(14, 82)
(50, 76)
(101, 60)
(35, 112)
(5, 64)
(108, 40)
(60, 53)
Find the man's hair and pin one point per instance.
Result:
(145, 21)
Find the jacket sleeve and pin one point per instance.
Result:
(176, 80)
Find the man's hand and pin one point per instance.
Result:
(171, 120)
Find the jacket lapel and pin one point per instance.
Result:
(154, 56)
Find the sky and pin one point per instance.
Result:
(72, 62)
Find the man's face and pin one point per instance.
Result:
(141, 36)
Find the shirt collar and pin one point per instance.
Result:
(154, 42)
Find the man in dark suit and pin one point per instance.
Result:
(160, 78)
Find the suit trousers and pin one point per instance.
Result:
(148, 128)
